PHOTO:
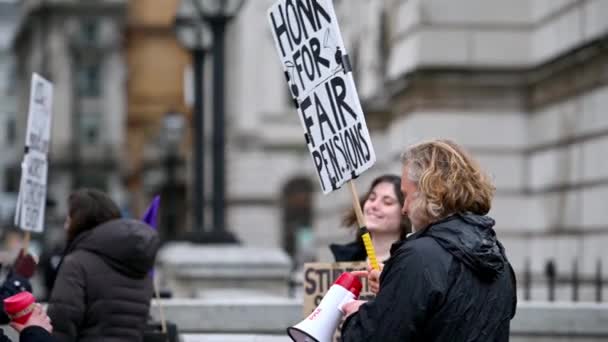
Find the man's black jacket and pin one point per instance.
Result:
(448, 282)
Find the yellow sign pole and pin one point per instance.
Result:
(367, 240)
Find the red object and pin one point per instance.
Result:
(20, 306)
(350, 283)
(25, 265)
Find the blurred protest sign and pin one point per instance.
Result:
(31, 202)
(33, 191)
(38, 134)
(318, 278)
(318, 73)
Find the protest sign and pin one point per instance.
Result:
(318, 73)
(29, 213)
(38, 134)
(318, 278)
(33, 191)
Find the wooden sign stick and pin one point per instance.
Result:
(367, 240)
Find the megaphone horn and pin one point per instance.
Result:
(321, 324)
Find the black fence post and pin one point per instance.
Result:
(527, 279)
(599, 281)
(575, 281)
(550, 272)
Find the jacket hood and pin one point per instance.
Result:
(129, 246)
(471, 239)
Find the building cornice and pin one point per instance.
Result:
(518, 88)
(33, 10)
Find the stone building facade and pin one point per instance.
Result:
(79, 47)
(522, 84)
(9, 146)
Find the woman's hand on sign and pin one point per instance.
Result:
(373, 278)
(351, 307)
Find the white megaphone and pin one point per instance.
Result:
(321, 324)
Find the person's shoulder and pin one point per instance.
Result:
(423, 250)
(75, 256)
(78, 258)
(420, 245)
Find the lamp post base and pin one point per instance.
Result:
(210, 237)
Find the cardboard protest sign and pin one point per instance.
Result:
(318, 73)
(29, 214)
(318, 278)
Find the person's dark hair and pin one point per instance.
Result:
(350, 219)
(88, 208)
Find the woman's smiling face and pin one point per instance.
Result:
(382, 210)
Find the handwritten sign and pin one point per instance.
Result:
(38, 134)
(31, 201)
(318, 278)
(319, 76)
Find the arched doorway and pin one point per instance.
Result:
(298, 236)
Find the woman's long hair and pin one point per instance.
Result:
(87, 209)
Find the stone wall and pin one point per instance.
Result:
(522, 86)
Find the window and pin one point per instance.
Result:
(11, 131)
(88, 78)
(89, 31)
(96, 178)
(90, 128)
(298, 237)
(4, 77)
(11, 79)
(12, 178)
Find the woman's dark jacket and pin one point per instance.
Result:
(103, 287)
(354, 251)
(448, 282)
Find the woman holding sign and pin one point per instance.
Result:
(450, 280)
(382, 211)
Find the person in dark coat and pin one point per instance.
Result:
(450, 280)
(381, 207)
(103, 289)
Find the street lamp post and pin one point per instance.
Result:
(173, 128)
(197, 39)
(218, 13)
(191, 26)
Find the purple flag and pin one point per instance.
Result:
(152, 212)
(150, 217)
